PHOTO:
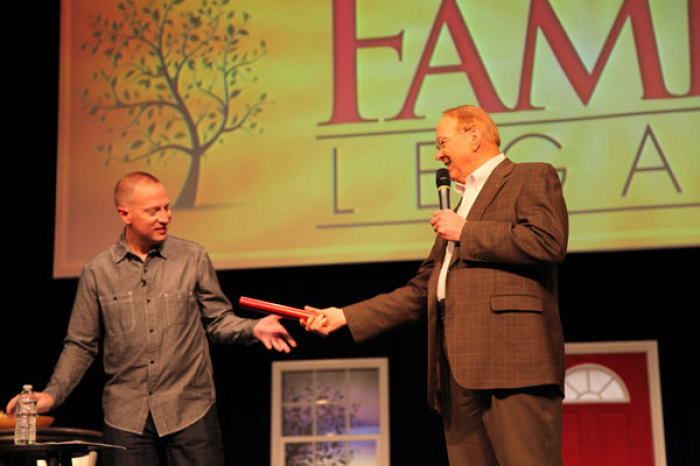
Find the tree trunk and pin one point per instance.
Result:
(188, 192)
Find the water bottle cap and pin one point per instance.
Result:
(27, 387)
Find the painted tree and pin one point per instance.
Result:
(170, 81)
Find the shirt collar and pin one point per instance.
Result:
(479, 176)
(121, 249)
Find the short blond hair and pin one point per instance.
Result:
(125, 185)
(468, 116)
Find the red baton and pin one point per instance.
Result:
(277, 309)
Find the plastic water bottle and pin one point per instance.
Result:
(25, 423)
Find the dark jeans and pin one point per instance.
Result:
(198, 444)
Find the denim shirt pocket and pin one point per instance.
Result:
(178, 305)
(118, 313)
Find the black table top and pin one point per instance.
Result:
(54, 434)
(56, 445)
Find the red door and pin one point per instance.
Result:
(599, 428)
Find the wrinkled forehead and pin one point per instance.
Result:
(446, 126)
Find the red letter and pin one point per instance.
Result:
(345, 45)
(694, 37)
(542, 16)
(471, 63)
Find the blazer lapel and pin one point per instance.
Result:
(492, 186)
(488, 192)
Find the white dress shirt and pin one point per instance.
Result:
(469, 191)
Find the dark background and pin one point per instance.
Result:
(635, 295)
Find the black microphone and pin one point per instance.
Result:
(442, 182)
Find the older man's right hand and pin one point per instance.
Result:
(326, 322)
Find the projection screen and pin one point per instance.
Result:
(302, 132)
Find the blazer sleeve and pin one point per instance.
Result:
(402, 306)
(530, 224)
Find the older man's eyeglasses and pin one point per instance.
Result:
(440, 143)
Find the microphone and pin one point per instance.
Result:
(442, 182)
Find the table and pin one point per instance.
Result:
(55, 445)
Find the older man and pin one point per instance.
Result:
(488, 290)
(154, 300)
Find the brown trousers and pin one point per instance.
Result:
(514, 427)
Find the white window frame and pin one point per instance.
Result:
(575, 394)
(279, 441)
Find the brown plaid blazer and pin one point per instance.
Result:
(502, 326)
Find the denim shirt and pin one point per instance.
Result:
(154, 317)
